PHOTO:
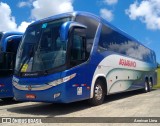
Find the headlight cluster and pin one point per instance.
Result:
(62, 80)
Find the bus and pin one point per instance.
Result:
(9, 42)
(77, 56)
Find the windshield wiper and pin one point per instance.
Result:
(27, 58)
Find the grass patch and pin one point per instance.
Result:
(158, 79)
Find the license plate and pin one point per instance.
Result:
(30, 96)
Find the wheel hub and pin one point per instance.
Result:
(98, 92)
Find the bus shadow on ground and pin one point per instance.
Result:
(9, 102)
(51, 110)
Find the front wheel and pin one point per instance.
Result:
(98, 94)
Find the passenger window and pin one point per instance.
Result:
(111, 40)
(78, 47)
(92, 26)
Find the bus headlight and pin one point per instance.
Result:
(14, 82)
(62, 80)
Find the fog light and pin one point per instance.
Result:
(57, 95)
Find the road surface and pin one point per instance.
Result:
(130, 104)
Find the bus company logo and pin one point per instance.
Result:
(129, 63)
(29, 87)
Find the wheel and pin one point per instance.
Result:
(7, 99)
(150, 85)
(98, 94)
(146, 87)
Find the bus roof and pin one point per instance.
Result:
(11, 32)
(69, 14)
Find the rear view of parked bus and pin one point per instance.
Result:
(78, 56)
(9, 44)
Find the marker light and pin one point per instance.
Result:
(75, 85)
(57, 95)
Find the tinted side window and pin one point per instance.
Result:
(7, 61)
(113, 41)
(77, 48)
(91, 30)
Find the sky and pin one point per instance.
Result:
(138, 18)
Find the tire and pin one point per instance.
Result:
(7, 99)
(98, 94)
(150, 85)
(146, 87)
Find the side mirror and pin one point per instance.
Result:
(64, 30)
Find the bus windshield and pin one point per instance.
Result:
(41, 48)
(6, 61)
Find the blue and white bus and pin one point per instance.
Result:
(9, 42)
(78, 56)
